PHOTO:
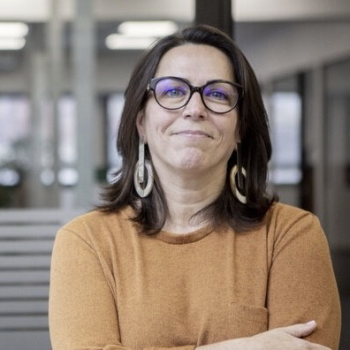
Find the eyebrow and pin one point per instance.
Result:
(207, 82)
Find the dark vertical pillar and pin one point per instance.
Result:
(217, 13)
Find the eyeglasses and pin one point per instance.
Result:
(219, 96)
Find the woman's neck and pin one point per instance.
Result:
(186, 197)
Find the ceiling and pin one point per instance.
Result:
(180, 10)
(253, 19)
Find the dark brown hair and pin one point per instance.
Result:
(152, 211)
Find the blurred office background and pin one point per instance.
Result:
(64, 65)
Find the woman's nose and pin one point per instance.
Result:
(195, 106)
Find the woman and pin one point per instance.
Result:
(189, 250)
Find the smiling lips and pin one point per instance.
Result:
(192, 133)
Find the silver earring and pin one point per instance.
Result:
(234, 187)
(143, 190)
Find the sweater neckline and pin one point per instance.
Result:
(185, 238)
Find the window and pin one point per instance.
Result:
(14, 135)
(115, 104)
(286, 137)
(286, 132)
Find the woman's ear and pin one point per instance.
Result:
(140, 123)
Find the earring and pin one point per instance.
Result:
(139, 175)
(237, 173)
(234, 187)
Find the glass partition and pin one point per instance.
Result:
(286, 118)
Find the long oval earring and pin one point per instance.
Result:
(142, 165)
(234, 187)
(236, 177)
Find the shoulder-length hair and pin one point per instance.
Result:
(255, 151)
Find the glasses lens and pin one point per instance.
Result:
(220, 97)
(172, 93)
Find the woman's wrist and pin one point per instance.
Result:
(232, 344)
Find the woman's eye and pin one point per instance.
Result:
(174, 92)
(217, 95)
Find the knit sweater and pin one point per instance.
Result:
(114, 288)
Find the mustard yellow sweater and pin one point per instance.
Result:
(113, 288)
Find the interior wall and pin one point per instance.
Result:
(112, 73)
(337, 187)
(309, 47)
(273, 50)
(277, 49)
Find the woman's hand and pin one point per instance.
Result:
(286, 338)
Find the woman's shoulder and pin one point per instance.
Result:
(288, 212)
(282, 218)
(99, 223)
(97, 216)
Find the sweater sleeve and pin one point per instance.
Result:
(302, 285)
(83, 313)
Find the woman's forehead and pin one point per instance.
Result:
(195, 61)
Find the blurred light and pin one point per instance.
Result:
(280, 176)
(147, 28)
(47, 177)
(139, 35)
(12, 35)
(123, 42)
(9, 177)
(12, 43)
(13, 30)
(68, 177)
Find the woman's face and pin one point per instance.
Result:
(191, 140)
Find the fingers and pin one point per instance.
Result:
(301, 330)
(286, 338)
